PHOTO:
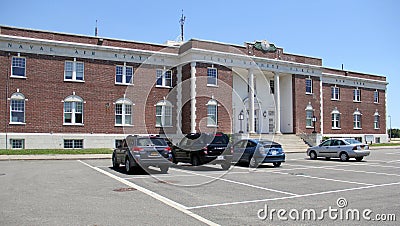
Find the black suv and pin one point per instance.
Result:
(142, 151)
(202, 148)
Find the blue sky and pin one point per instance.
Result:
(363, 35)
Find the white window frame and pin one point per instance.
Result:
(163, 114)
(335, 119)
(212, 112)
(357, 95)
(210, 74)
(73, 143)
(126, 112)
(309, 122)
(73, 99)
(124, 79)
(310, 85)
(163, 75)
(17, 66)
(335, 93)
(17, 140)
(357, 120)
(377, 119)
(19, 97)
(74, 71)
(376, 97)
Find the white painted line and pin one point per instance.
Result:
(327, 179)
(236, 182)
(292, 197)
(172, 176)
(154, 195)
(394, 161)
(393, 153)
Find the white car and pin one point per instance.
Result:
(343, 148)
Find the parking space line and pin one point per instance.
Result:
(294, 196)
(393, 153)
(170, 175)
(237, 182)
(154, 195)
(327, 179)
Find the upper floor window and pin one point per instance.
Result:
(212, 76)
(74, 71)
(163, 113)
(123, 74)
(357, 95)
(335, 93)
(335, 119)
(309, 115)
(376, 120)
(376, 96)
(272, 86)
(164, 78)
(17, 108)
(123, 112)
(73, 110)
(357, 119)
(309, 88)
(212, 113)
(18, 67)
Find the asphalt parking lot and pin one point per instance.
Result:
(301, 191)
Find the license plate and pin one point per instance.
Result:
(220, 157)
(154, 153)
(273, 152)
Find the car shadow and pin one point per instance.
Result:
(334, 160)
(189, 167)
(138, 171)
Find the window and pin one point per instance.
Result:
(272, 86)
(357, 95)
(17, 143)
(212, 76)
(357, 119)
(212, 115)
(309, 115)
(71, 143)
(376, 120)
(163, 113)
(17, 108)
(74, 71)
(123, 112)
(18, 67)
(377, 140)
(73, 110)
(164, 78)
(376, 96)
(335, 93)
(335, 119)
(123, 74)
(308, 86)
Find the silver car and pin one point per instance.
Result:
(343, 148)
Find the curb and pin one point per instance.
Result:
(54, 157)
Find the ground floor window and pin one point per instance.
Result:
(17, 143)
(377, 140)
(118, 143)
(70, 143)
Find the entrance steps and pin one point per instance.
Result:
(289, 142)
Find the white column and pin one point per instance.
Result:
(321, 107)
(277, 104)
(251, 101)
(193, 97)
(179, 100)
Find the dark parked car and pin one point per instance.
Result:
(137, 152)
(342, 148)
(202, 148)
(254, 152)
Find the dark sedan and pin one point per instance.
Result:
(254, 152)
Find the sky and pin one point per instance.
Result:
(363, 35)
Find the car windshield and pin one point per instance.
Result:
(269, 144)
(220, 139)
(352, 141)
(144, 142)
(158, 142)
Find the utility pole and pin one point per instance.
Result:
(182, 22)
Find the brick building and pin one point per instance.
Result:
(72, 91)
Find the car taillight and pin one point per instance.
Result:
(355, 148)
(168, 149)
(231, 150)
(137, 149)
(205, 150)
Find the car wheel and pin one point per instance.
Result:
(253, 163)
(115, 164)
(277, 164)
(128, 167)
(313, 155)
(344, 156)
(174, 160)
(164, 169)
(358, 159)
(226, 165)
(195, 160)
